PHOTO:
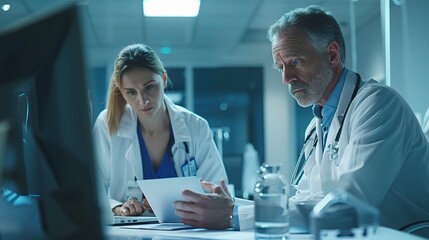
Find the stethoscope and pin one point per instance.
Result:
(187, 158)
(333, 148)
(299, 166)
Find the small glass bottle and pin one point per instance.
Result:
(271, 203)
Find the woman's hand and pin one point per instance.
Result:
(146, 206)
(132, 207)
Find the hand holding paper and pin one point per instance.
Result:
(210, 210)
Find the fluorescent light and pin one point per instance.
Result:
(175, 96)
(5, 7)
(165, 50)
(171, 8)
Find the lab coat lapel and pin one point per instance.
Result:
(326, 164)
(127, 129)
(179, 157)
(178, 122)
(181, 135)
(326, 169)
(315, 185)
(345, 98)
(319, 146)
(309, 151)
(133, 157)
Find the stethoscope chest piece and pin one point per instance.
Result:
(333, 152)
(351, 92)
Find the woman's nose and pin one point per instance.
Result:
(140, 99)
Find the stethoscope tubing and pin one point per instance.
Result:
(187, 158)
(299, 166)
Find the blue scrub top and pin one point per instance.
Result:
(166, 167)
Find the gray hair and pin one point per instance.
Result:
(320, 26)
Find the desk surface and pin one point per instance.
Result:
(119, 233)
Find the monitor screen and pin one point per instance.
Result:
(44, 99)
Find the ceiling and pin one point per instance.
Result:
(225, 32)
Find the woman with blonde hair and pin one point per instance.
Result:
(142, 134)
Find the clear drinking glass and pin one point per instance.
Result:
(271, 204)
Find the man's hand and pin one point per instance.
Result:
(132, 207)
(211, 210)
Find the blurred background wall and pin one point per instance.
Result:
(221, 67)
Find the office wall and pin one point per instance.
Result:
(370, 51)
(98, 88)
(279, 121)
(409, 49)
(409, 52)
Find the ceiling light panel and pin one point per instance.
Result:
(171, 8)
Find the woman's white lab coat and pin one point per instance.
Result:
(383, 157)
(119, 155)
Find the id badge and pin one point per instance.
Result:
(133, 190)
(190, 169)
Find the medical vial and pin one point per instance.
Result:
(271, 204)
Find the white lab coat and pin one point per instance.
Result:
(119, 157)
(383, 158)
(425, 124)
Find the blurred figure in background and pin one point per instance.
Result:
(250, 169)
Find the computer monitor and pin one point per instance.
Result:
(44, 99)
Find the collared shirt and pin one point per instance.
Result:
(166, 167)
(327, 112)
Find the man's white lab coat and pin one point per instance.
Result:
(383, 158)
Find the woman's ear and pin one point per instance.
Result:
(165, 78)
(334, 53)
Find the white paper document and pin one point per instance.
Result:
(163, 192)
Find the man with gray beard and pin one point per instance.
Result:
(364, 138)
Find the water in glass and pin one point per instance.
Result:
(271, 204)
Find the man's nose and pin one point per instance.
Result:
(287, 77)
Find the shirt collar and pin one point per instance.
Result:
(328, 110)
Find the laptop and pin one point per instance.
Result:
(109, 218)
(125, 220)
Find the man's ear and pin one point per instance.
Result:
(334, 53)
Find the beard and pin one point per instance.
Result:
(313, 90)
